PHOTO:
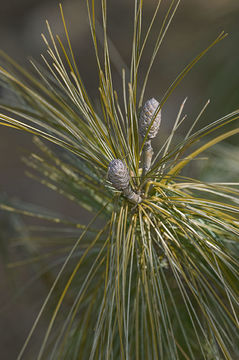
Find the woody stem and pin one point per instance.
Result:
(131, 195)
(147, 156)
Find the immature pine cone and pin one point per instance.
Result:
(118, 174)
(146, 116)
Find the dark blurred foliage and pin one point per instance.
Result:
(216, 77)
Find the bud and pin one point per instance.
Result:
(146, 117)
(118, 174)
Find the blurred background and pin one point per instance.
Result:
(215, 77)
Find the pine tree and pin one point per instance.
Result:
(154, 274)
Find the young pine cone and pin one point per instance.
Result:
(146, 117)
(118, 174)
